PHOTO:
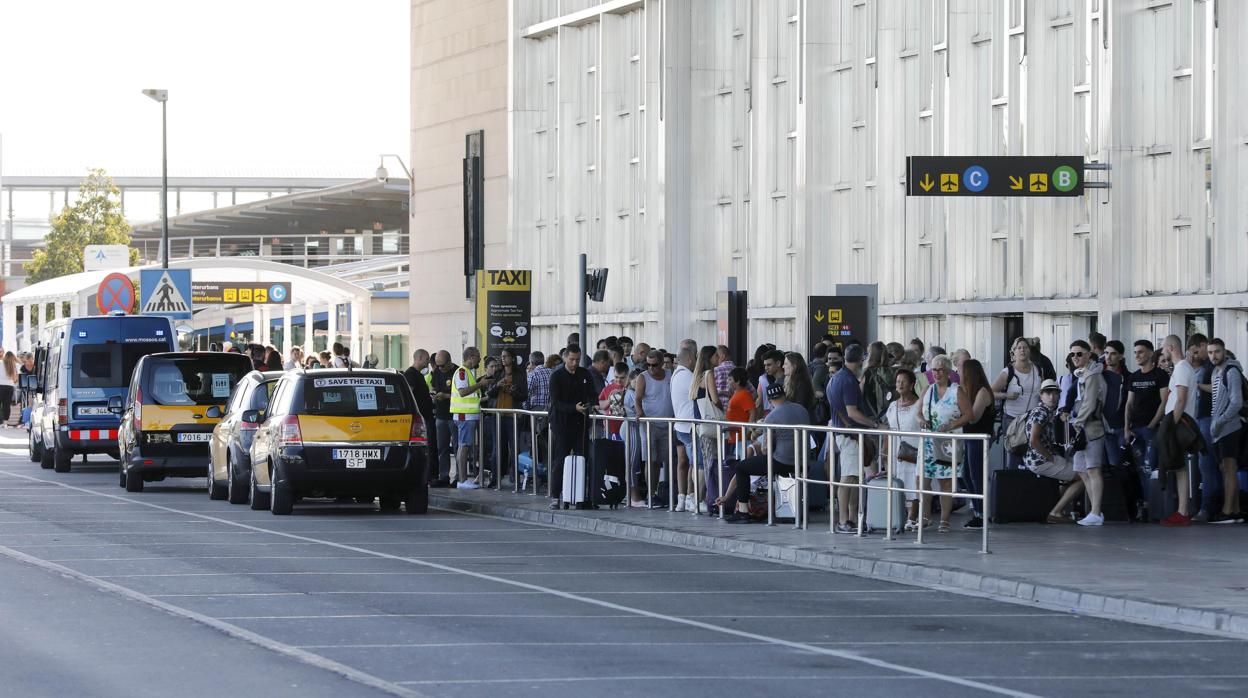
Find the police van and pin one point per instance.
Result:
(82, 374)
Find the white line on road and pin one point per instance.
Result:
(882, 643)
(802, 646)
(631, 616)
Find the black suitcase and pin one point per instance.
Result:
(1021, 496)
(1162, 502)
(1118, 499)
(607, 480)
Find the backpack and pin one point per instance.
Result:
(1018, 437)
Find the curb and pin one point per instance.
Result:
(941, 578)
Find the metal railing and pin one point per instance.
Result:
(701, 428)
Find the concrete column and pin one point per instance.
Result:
(266, 335)
(309, 325)
(333, 326)
(33, 322)
(287, 342)
(366, 323)
(256, 322)
(355, 332)
(10, 326)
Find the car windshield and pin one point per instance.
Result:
(350, 396)
(108, 365)
(194, 381)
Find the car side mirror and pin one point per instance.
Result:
(115, 404)
(253, 416)
(213, 412)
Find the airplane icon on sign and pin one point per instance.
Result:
(99, 255)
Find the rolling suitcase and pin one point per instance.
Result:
(877, 506)
(574, 482)
(608, 468)
(1020, 495)
(1162, 501)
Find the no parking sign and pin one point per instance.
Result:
(115, 292)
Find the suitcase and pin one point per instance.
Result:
(609, 472)
(1022, 496)
(1118, 498)
(574, 482)
(1162, 502)
(785, 499)
(877, 506)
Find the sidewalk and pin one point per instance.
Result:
(1192, 578)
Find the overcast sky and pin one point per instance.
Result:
(263, 87)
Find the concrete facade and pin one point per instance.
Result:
(681, 143)
(459, 84)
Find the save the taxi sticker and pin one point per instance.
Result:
(346, 382)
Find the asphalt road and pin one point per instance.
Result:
(167, 593)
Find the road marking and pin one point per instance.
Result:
(491, 593)
(361, 557)
(409, 573)
(687, 677)
(676, 620)
(882, 643)
(229, 629)
(733, 616)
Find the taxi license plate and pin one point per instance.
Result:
(356, 457)
(92, 411)
(194, 438)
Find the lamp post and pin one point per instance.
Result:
(162, 96)
(383, 175)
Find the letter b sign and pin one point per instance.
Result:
(1065, 178)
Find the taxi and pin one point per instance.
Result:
(341, 433)
(229, 459)
(175, 400)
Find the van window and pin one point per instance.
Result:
(193, 381)
(343, 396)
(107, 365)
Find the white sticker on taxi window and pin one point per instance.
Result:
(329, 397)
(220, 385)
(366, 398)
(346, 381)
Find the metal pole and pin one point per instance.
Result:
(888, 488)
(671, 467)
(862, 490)
(584, 296)
(515, 452)
(925, 502)
(550, 462)
(628, 461)
(164, 188)
(534, 461)
(771, 485)
(983, 505)
(498, 452)
(697, 449)
(719, 466)
(798, 442)
(649, 459)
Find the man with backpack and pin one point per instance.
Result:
(1227, 427)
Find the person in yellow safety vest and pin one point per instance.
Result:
(466, 411)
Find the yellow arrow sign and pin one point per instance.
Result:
(926, 183)
(819, 316)
(1016, 183)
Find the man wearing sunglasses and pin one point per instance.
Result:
(1087, 418)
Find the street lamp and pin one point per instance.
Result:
(162, 96)
(383, 175)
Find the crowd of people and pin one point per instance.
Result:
(269, 358)
(1176, 418)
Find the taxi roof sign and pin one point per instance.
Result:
(994, 176)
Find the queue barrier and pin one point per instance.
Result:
(801, 435)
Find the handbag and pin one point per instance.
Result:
(709, 409)
(906, 451)
(1078, 443)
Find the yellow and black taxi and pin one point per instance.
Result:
(341, 433)
(175, 400)
(229, 460)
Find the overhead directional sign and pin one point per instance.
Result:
(241, 292)
(994, 176)
(165, 292)
(102, 257)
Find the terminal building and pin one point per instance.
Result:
(683, 143)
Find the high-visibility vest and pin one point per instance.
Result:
(465, 404)
(429, 382)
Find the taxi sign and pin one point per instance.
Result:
(347, 382)
(994, 176)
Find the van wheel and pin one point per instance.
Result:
(216, 490)
(236, 488)
(417, 499)
(45, 458)
(134, 481)
(259, 500)
(35, 455)
(121, 468)
(281, 499)
(61, 460)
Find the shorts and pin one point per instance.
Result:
(1091, 457)
(847, 457)
(467, 431)
(685, 438)
(1059, 469)
(1228, 446)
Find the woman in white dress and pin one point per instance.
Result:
(903, 415)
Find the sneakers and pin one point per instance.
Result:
(1176, 519)
(1225, 519)
(680, 502)
(911, 526)
(844, 527)
(974, 523)
(698, 507)
(468, 485)
(1092, 520)
(1201, 517)
(1057, 519)
(738, 517)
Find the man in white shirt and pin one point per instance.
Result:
(682, 405)
(1182, 400)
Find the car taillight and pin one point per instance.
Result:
(138, 410)
(418, 436)
(248, 426)
(290, 435)
(62, 411)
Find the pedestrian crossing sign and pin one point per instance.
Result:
(165, 292)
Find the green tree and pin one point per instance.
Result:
(94, 219)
